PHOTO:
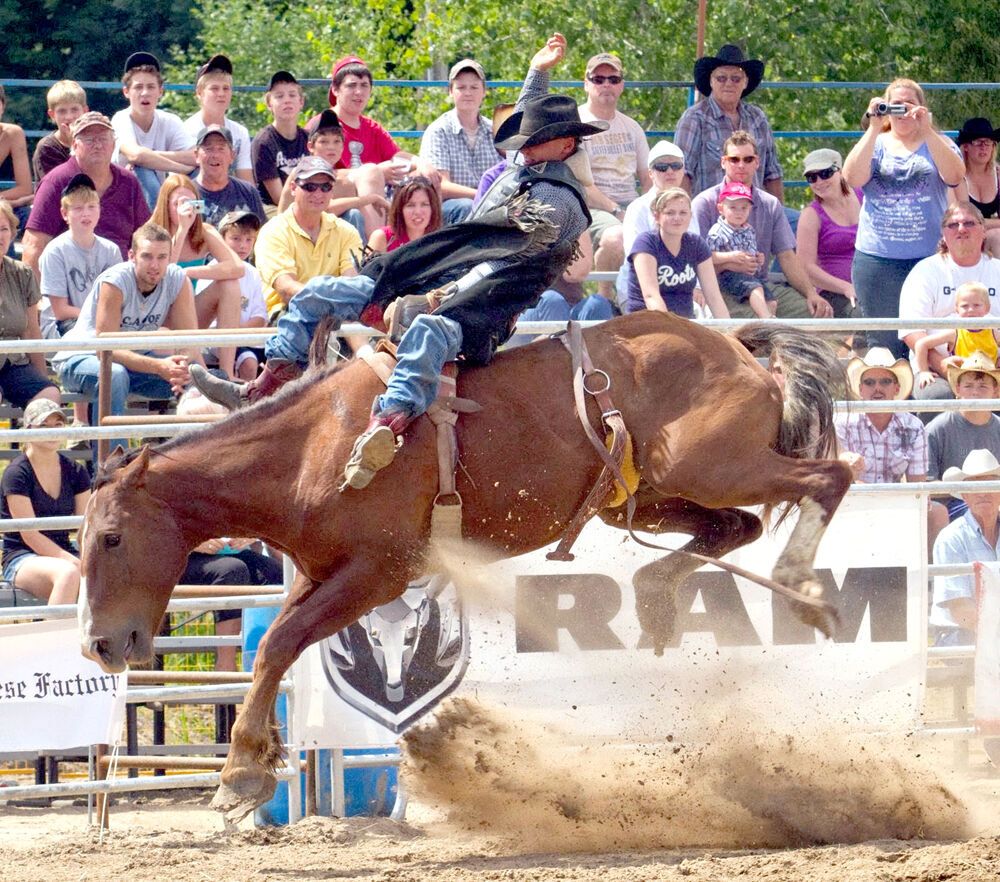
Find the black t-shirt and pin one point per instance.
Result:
(19, 479)
(275, 157)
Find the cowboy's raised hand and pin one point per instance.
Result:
(550, 54)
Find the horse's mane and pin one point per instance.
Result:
(287, 397)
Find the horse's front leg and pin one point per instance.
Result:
(312, 611)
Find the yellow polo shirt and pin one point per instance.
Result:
(284, 247)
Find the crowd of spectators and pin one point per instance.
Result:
(145, 220)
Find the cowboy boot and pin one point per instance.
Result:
(375, 448)
(277, 372)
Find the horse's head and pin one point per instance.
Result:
(132, 553)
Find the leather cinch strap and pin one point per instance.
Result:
(588, 380)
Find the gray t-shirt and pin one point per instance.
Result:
(951, 438)
(68, 271)
(140, 312)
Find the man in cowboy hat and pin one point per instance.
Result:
(462, 286)
(974, 536)
(726, 79)
(885, 448)
(952, 435)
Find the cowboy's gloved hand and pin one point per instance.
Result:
(402, 311)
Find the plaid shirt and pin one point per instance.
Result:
(900, 450)
(445, 146)
(701, 132)
(723, 237)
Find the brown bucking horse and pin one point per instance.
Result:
(710, 431)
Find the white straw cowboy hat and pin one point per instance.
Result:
(880, 357)
(978, 464)
(978, 362)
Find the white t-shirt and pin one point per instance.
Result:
(251, 294)
(929, 291)
(241, 140)
(166, 133)
(616, 156)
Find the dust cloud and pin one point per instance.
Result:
(750, 788)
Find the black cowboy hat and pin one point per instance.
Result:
(729, 56)
(545, 119)
(976, 128)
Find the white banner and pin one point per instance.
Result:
(561, 641)
(51, 697)
(987, 664)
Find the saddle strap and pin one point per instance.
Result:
(588, 380)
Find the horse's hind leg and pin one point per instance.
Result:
(311, 612)
(714, 532)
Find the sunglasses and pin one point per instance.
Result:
(614, 79)
(824, 175)
(310, 187)
(735, 79)
(736, 160)
(884, 382)
(667, 166)
(961, 225)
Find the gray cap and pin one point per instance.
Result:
(820, 159)
(310, 166)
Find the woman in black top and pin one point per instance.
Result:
(43, 483)
(977, 140)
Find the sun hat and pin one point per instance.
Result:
(38, 411)
(729, 56)
(978, 362)
(880, 357)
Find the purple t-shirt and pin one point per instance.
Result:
(123, 207)
(677, 275)
(835, 244)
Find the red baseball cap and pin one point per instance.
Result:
(735, 190)
(339, 65)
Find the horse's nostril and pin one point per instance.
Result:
(101, 649)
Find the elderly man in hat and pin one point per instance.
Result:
(483, 272)
(123, 207)
(459, 143)
(952, 435)
(726, 79)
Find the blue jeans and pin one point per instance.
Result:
(321, 296)
(428, 344)
(81, 373)
(149, 181)
(553, 307)
(354, 217)
(878, 281)
(455, 210)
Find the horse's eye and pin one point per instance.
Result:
(112, 540)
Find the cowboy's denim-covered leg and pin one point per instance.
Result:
(428, 344)
(321, 296)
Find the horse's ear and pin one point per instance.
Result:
(134, 475)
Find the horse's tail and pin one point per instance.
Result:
(814, 377)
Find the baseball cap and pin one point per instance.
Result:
(78, 182)
(215, 63)
(239, 216)
(341, 63)
(604, 58)
(310, 166)
(141, 59)
(822, 159)
(38, 411)
(735, 190)
(281, 76)
(213, 129)
(328, 119)
(90, 118)
(663, 149)
(464, 65)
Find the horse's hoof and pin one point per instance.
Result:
(237, 798)
(824, 618)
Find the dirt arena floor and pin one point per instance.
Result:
(495, 799)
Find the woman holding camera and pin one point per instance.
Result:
(212, 266)
(906, 170)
